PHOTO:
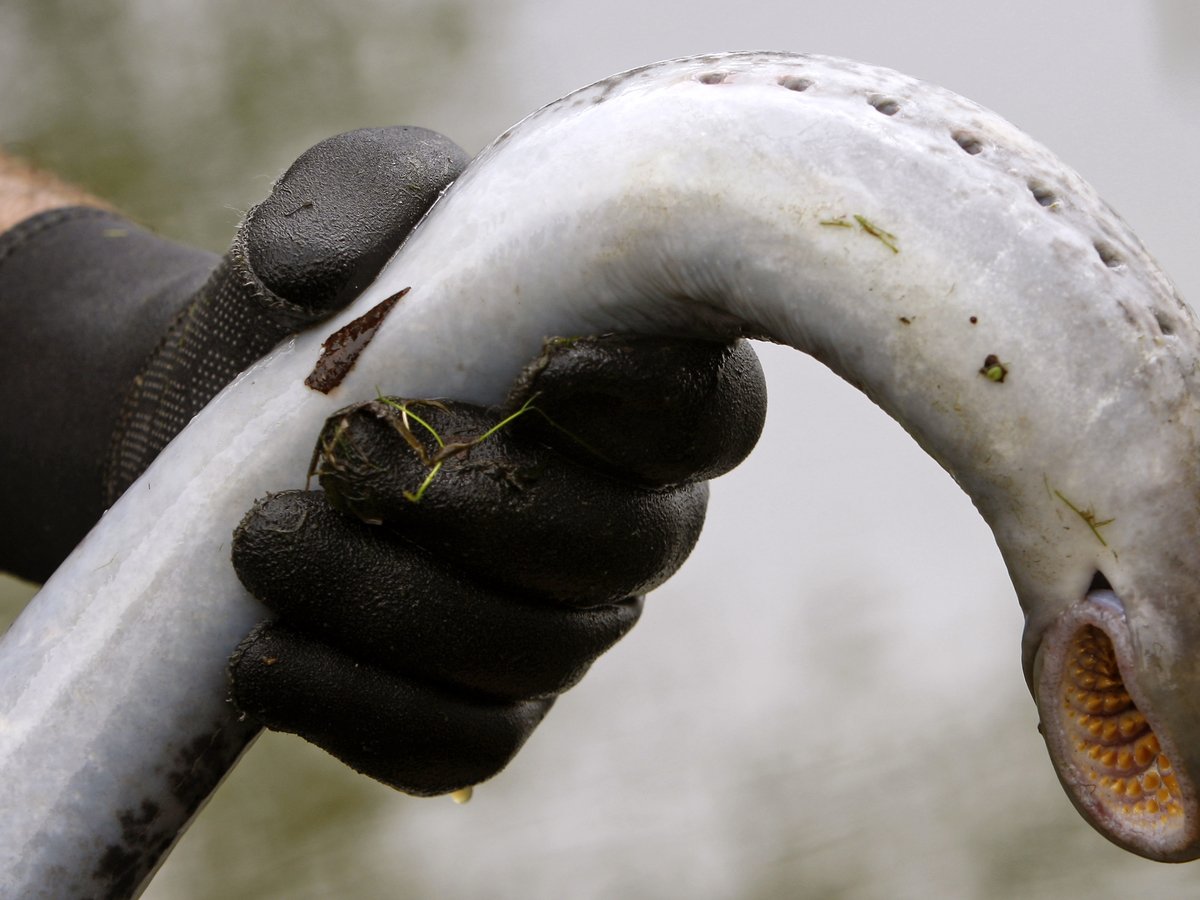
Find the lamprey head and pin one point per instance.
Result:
(1121, 766)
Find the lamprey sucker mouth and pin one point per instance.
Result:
(1117, 764)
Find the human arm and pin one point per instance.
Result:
(112, 338)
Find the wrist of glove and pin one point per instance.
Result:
(85, 295)
(461, 566)
(112, 338)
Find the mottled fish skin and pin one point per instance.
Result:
(919, 245)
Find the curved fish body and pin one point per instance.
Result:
(920, 246)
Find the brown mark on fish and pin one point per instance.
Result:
(340, 351)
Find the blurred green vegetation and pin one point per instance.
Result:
(14, 595)
(183, 112)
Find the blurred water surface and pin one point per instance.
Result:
(827, 701)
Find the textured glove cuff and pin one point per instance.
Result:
(318, 239)
(85, 295)
(233, 320)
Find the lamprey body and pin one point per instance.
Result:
(920, 246)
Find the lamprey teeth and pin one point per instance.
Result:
(1115, 748)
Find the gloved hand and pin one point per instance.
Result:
(422, 652)
(479, 560)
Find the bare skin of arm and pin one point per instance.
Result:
(26, 191)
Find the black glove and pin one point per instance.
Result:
(423, 649)
(422, 653)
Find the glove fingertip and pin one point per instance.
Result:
(261, 541)
(653, 410)
(341, 210)
(411, 736)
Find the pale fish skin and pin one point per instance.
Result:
(920, 246)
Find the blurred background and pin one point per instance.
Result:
(827, 701)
